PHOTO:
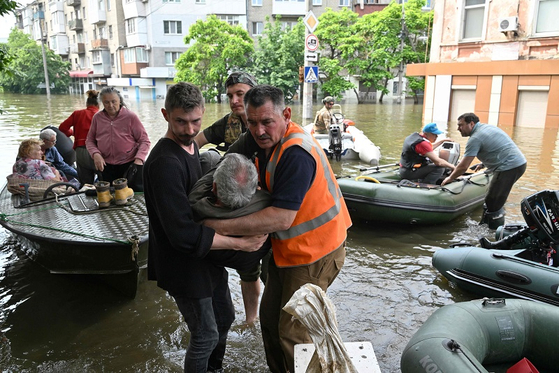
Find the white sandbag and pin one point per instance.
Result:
(317, 313)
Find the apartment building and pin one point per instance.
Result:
(497, 58)
(134, 44)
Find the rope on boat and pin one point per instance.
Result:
(454, 346)
(135, 242)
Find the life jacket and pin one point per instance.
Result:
(321, 223)
(409, 158)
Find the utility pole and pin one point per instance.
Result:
(401, 70)
(41, 17)
(307, 87)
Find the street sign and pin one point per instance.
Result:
(311, 74)
(311, 42)
(311, 56)
(310, 21)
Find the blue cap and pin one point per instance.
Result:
(432, 128)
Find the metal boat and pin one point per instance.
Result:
(69, 234)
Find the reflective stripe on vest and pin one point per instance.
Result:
(306, 142)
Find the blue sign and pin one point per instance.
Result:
(311, 74)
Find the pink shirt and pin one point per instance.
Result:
(119, 140)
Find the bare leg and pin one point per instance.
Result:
(251, 295)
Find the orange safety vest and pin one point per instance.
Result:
(322, 221)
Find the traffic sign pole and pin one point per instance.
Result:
(310, 22)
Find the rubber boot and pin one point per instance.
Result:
(104, 196)
(507, 242)
(122, 192)
(493, 219)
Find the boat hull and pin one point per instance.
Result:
(355, 146)
(412, 203)
(509, 273)
(107, 242)
(484, 335)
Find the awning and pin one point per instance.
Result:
(80, 73)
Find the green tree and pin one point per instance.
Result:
(332, 31)
(6, 6)
(26, 69)
(278, 56)
(216, 49)
(374, 50)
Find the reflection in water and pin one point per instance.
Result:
(384, 293)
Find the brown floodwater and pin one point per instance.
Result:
(384, 293)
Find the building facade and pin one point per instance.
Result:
(497, 58)
(134, 44)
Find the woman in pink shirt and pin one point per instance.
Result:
(117, 140)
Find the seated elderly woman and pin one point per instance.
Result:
(30, 163)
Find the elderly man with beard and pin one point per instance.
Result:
(185, 258)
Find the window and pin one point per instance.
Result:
(111, 32)
(232, 20)
(96, 55)
(474, 14)
(112, 60)
(129, 55)
(344, 2)
(547, 15)
(130, 25)
(108, 4)
(171, 57)
(102, 34)
(256, 2)
(257, 28)
(287, 25)
(141, 55)
(84, 13)
(101, 5)
(200, 1)
(80, 37)
(172, 27)
(171, 1)
(316, 2)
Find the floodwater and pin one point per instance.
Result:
(384, 293)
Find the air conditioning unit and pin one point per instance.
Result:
(508, 24)
(147, 47)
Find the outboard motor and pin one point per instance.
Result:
(335, 138)
(450, 152)
(541, 212)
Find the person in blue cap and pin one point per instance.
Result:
(418, 161)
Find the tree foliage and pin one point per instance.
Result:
(216, 49)
(279, 55)
(334, 28)
(26, 70)
(6, 6)
(371, 48)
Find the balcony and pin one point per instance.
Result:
(100, 44)
(73, 2)
(75, 24)
(77, 48)
(97, 16)
(39, 15)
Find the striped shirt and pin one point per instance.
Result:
(494, 148)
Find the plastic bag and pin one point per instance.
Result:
(317, 313)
